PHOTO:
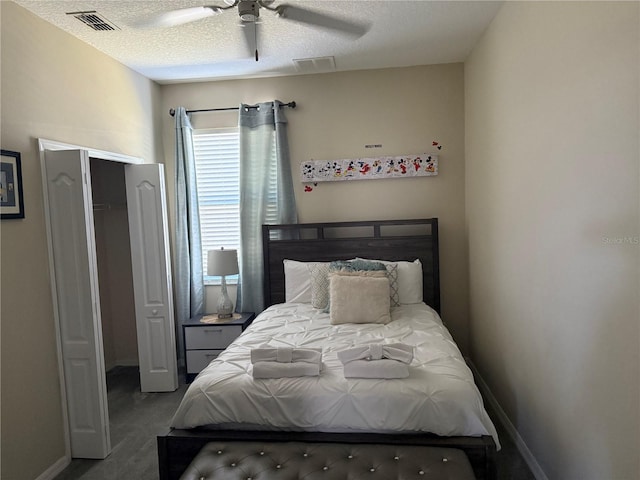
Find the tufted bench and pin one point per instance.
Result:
(332, 461)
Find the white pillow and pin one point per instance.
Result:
(409, 281)
(297, 281)
(359, 297)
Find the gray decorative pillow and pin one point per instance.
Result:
(394, 294)
(319, 285)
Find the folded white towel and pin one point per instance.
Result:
(378, 351)
(282, 370)
(376, 369)
(286, 355)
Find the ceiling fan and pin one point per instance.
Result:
(249, 13)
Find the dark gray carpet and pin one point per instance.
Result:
(136, 418)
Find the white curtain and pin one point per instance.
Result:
(188, 280)
(263, 128)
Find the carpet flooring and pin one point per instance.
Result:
(136, 418)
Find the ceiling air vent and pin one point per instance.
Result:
(94, 20)
(315, 65)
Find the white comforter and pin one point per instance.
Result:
(438, 397)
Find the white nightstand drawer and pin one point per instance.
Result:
(212, 337)
(206, 336)
(198, 359)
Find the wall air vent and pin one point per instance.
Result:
(94, 20)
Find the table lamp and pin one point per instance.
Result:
(219, 264)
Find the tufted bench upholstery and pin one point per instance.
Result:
(331, 461)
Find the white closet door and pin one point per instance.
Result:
(148, 228)
(70, 215)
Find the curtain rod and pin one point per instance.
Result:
(172, 111)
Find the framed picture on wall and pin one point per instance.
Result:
(11, 198)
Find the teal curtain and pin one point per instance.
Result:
(263, 128)
(188, 280)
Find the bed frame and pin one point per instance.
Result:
(391, 240)
(386, 240)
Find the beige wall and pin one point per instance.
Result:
(56, 87)
(552, 204)
(337, 115)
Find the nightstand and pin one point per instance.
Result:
(205, 341)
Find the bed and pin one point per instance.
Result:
(437, 405)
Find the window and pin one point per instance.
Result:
(218, 178)
(216, 153)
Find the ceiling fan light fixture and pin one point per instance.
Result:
(248, 10)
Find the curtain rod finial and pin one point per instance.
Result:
(172, 112)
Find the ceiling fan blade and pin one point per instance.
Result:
(250, 33)
(179, 17)
(302, 15)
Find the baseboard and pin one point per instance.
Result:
(54, 470)
(528, 457)
(128, 362)
(132, 362)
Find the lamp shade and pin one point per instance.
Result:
(222, 262)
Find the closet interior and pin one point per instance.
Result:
(113, 253)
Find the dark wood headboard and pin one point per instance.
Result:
(391, 240)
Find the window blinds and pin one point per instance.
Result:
(218, 172)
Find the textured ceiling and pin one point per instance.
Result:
(402, 33)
